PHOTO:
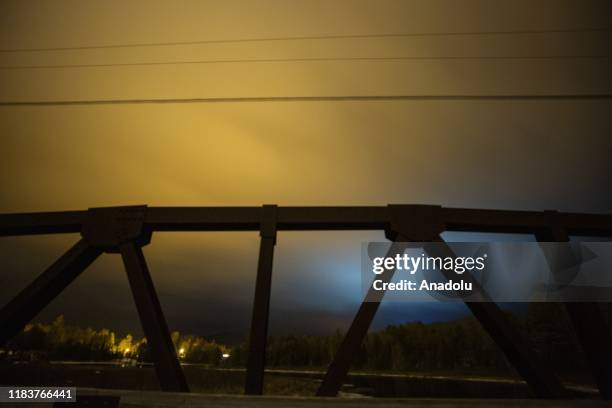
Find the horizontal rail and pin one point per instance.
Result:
(41, 223)
(312, 218)
(248, 218)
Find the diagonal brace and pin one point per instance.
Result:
(31, 300)
(166, 363)
(588, 320)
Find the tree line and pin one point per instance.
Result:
(459, 344)
(59, 341)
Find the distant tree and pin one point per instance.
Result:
(460, 344)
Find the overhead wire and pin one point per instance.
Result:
(307, 38)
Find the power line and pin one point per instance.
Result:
(334, 98)
(318, 59)
(305, 38)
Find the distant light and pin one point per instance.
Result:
(127, 350)
(225, 355)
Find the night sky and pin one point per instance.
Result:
(482, 154)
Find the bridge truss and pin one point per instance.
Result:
(125, 230)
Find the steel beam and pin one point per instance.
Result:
(312, 218)
(30, 301)
(261, 304)
(543, 383)
(404, 223)
(341, 363)
(541, 380)
(41, 223)
(510, 221)
(132, 226)
(365, 218)
(422, 224)
(167, 366)
(590, 326)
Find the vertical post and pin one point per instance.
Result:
(261, 303)
(166, 363)
(30, 301)
(590, 326)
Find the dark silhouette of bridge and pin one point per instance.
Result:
(125, 230)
